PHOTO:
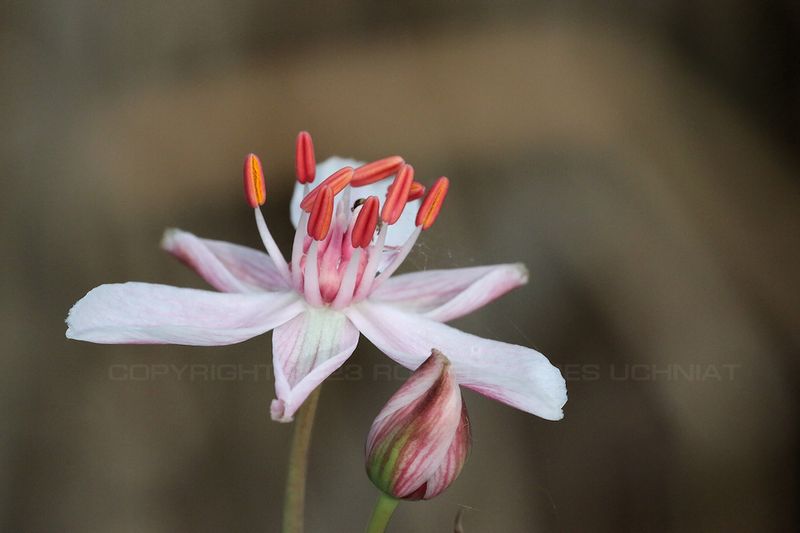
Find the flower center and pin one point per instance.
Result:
(340, 254)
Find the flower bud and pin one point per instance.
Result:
(420, 440)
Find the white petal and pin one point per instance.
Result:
(225, 266)
(453, 462)
(305, 351)
(447, 294)
(515, 375)
(145, 313)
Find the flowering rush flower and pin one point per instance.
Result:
(354, 229)
(420, 440)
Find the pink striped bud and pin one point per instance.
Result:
(420, 440)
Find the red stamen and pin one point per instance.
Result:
(255, 189)
(319, 223)
(336, 181)
(366, 221)
(377, 170)
(432, 203)
(305, 165)
(416, 192)
(397, 195)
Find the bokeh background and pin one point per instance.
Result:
(639, 157)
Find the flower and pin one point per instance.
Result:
(420, 440)
(338, 282)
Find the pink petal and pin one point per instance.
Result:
(225, 266)
(305, 351)
(515, 375)
(450, 467)
(431, 372)
(145, 313)
(447, 294)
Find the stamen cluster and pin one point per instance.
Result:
(340, 253)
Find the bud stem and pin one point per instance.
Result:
(295, 497)
(382, 513)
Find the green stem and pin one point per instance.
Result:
(382, 514)
(295, 497)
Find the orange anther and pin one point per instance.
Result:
(366, 221)
(255, 189)
(397, 195)
(416, 191)
(432, 203)
(336, 181)
(305, 164)
(376, 170)
(319, 223)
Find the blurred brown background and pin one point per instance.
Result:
(641, 159)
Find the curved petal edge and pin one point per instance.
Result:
(512, 374)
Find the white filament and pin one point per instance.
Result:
(398, 259)
(297, 249)
(375, 253)
(311, 277)
(271, 245)
(345, 294)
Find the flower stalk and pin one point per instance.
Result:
(295, 495)
(382, 513)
